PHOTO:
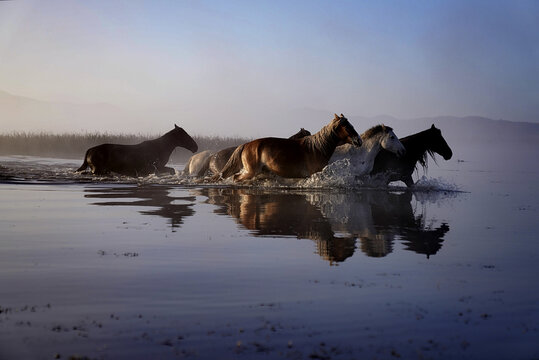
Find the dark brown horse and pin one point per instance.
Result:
(218, 160)
(418, 147)
(291, 158)
(142, 159)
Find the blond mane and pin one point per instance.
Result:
(325, 140)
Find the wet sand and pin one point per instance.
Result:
(138, 271)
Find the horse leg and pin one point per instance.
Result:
(100, 172)
(244, 176)
(248, 169)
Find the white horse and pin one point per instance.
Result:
(376, 138)
(198, 164)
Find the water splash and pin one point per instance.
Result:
(340, 174)
(425, 184)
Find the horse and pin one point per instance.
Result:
(218, 160)
(300, 134)
(374, 140)
(197, 165)
(418, 147)
(213, 162)
(290, 158)
(142, 159)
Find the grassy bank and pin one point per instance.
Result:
(73, 146)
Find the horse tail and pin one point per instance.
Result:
(233, 165)
(85, 163)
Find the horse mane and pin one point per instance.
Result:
(324, 140)
(423, 159)
(375, 130)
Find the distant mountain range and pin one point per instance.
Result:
(24, 114)
(19, 113)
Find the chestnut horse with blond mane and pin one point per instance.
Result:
(290, 158)
(212, 162)
(218, 160)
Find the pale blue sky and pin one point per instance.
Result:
(248, 62)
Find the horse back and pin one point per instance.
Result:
(198, 163)
(276, 148)
(219, 159)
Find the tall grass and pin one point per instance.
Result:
(72, 146)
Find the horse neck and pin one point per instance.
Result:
(416, 145)
(166, 142)
(370, 148)
(323, 142)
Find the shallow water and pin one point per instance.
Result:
(161, 267)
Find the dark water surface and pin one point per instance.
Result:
(162, 268)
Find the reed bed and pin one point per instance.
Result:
(74, 145)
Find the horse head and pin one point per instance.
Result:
(345, 131)
(390, 141)
(438, 144)
(300, 134)
(182, 138)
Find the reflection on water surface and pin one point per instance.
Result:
(173, 208)
(335, 221)
(339, 223)
(231, 281)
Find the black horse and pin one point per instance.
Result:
(142, 159)
(418, 147)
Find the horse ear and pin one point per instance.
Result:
(433, 127)
(336, 117)
(342, 115)
(175, 126)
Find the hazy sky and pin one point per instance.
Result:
(232, 66)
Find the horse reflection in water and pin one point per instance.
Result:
(278, 214)
(159, 197)
(378, 218)
(334, 221)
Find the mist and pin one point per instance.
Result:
(262, 69)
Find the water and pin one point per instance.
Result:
(325, 268)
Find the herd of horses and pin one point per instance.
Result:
(376, 151)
